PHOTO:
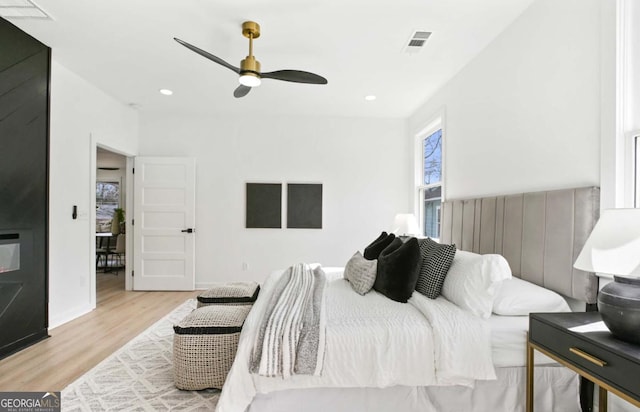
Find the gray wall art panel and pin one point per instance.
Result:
(304, 206)
(264, 205)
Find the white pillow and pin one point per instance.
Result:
(517, 297)
(361, 273)
(473, 280)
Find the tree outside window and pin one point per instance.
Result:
(432, 160)
(430, 190)
(107, 201)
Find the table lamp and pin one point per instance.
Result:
(613, 247)
(405, 224)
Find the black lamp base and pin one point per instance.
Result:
(619, 304)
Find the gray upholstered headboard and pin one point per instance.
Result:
(540, 234)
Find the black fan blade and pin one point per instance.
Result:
(207, 55)
(241, 91)
(296, 76)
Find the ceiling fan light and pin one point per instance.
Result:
(250, 80)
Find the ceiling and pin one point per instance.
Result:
(126, 48)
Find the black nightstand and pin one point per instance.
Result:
(597, 356)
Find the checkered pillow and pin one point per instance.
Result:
(436, 260)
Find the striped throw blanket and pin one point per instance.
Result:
(291, 339)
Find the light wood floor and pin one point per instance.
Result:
(79, 345)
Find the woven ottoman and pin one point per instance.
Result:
(205, 344)
(234, 293)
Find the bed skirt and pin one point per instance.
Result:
(555, 390)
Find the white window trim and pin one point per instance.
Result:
(626, 173)
(632, 169)
(435, 122)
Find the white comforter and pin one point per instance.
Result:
(372, 341)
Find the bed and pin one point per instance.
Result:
(383, 355)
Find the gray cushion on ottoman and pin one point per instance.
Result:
(233, 293)
(205, 344)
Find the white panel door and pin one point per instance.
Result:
(164, 226)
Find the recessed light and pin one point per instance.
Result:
(166, 92)
(370, 98)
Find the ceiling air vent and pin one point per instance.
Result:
(21, 9)
(416, 41)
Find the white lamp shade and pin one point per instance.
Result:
(613, 247)
(406, 224)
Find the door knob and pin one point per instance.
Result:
(190, 230)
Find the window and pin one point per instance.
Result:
(636, 186)
(107, 201)
(430, 179)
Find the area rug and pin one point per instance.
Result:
(139, 376)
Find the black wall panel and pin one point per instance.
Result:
(304, 206)
(24, 169)
(264, 205)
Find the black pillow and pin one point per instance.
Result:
(373, 250)
(436, 260)
(398, 268)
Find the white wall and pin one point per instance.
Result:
(524, 114)
(362, 164)
(78, 111)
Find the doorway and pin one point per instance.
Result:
(110, 223)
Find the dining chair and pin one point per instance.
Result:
(119, 250)
(103, 250)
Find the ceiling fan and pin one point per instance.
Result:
(249, 70)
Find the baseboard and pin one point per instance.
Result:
(67, 316)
